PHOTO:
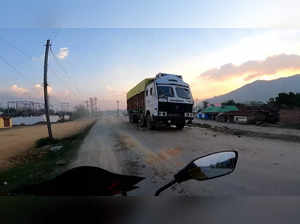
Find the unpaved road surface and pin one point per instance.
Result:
(19, 139)
(265, 166)
(252, 128)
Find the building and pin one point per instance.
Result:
(290, 116)
(5, 122)
(242, 117)
(212, 112)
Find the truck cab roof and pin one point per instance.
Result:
(170, 79)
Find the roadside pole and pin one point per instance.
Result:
(118, 107)
(46, 89)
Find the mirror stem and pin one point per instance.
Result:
(165, 187)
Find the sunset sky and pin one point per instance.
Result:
(105, 60)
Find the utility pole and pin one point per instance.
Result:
(87, 105)
(118, 107)
(92, 104)
(46, 89)
(95, 102)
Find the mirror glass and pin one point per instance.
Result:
(214, 165)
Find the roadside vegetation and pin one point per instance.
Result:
(46, 160)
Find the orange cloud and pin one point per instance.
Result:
(19, 90)
(254, 69)
(63, 53)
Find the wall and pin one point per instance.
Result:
(33, 120)
(289, 116)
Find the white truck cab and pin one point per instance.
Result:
(165, 99)
(168, 99)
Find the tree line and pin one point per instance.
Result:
(282, 100)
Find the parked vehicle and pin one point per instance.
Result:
(94, 181)
(163, 100)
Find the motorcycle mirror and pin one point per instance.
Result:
(208, 167)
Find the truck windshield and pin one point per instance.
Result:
(183, 92)
(165, 91)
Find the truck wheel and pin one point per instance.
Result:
(149, 123)
(180, 126)
(141, 122)
(130, 119)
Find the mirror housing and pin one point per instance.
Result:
(208, 167)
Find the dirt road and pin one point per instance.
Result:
(265, 167)
(20, 139)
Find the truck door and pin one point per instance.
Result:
(151, 99)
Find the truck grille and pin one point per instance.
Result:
(174, 107)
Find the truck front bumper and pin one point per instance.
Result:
(172, 119)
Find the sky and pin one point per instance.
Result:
(103, 49)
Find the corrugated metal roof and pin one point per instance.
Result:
(139, 88)
(220, 109)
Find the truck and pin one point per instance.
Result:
(163, 100)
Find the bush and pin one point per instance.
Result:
(45, 141)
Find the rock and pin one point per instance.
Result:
(61, 162)
(56, 148)
(237, 132)
(45, 147)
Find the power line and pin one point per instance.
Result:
(16, 48)
(12, 66)
(58, 63)
(62, 68)
(20, 51)
(65, 81)
(56, 34)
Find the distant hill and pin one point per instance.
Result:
(261, 90)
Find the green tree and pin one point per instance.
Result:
(288, 99)
(228, 103)
(205, 104)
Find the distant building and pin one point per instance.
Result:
(242, 117)
(211, 113)
(241, 114)
(5, 122)
(290, 116)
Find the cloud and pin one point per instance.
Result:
(254, 68)
(19, 90)
(63, 53)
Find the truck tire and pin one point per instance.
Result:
(130, 118)
(149, 122)
(141, 121)
(179, 126)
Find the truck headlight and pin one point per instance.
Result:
(162, 114)
(188, 115)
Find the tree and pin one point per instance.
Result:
(288, 99)
(80, 111)
(205, 104)
(228, 103)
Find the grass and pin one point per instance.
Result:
(39, 164)
(46, 141)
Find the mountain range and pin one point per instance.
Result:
(260, 90)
